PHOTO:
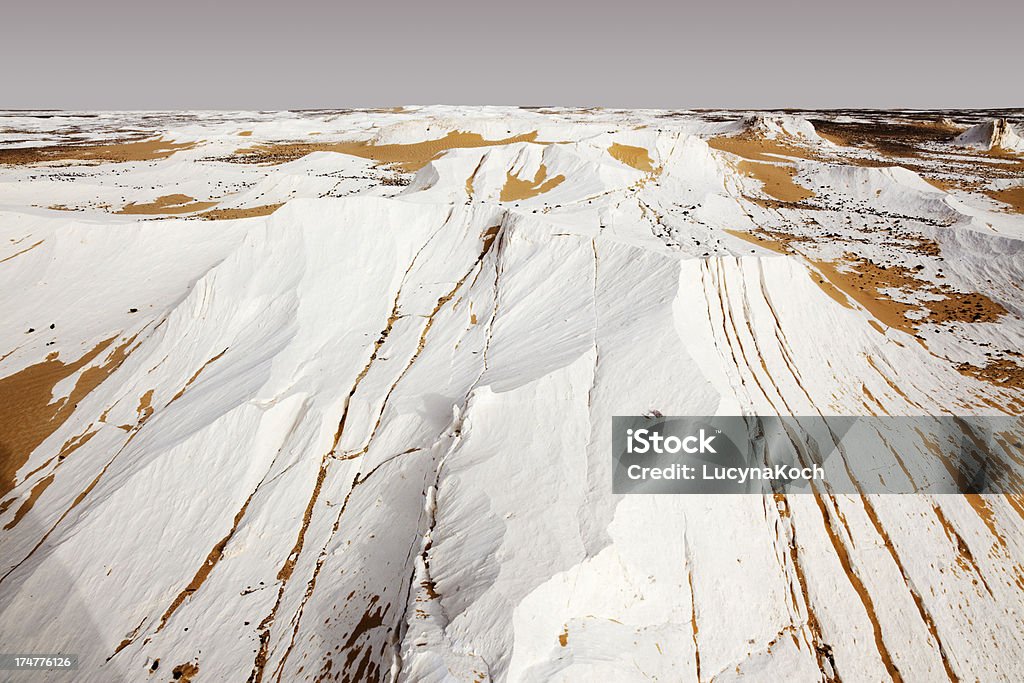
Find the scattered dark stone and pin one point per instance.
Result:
(30, 330)
(133, 310)
(155, 665)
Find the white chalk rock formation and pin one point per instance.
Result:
(996, 134)
(357, 426)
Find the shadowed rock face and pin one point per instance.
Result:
(328, 395)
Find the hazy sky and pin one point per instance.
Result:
(117, 54)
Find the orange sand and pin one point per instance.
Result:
(405, 157)
(168, 204)
(516, 189)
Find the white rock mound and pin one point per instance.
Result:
(993, 134)
(773, 126)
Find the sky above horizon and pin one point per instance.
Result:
(306, 54)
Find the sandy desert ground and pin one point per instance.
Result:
(326, 395)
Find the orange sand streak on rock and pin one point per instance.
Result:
(637, 157)
(28, 417)
(765, 160)
(1001, 372)
(19, 253)
(764, 238)
(195, 376)
(777, 180)
(780, 242)
(844, 555)
(860, 280)
(132, 150)
(145, 408)
(865, 280)
(760, 149)
(248, 212)
(215, 556)
(516, 189)
(1013, 196)
(888, 312)
(33, 496)
(472, 178)
(69, 447)
(168, 204)
(406, 157)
